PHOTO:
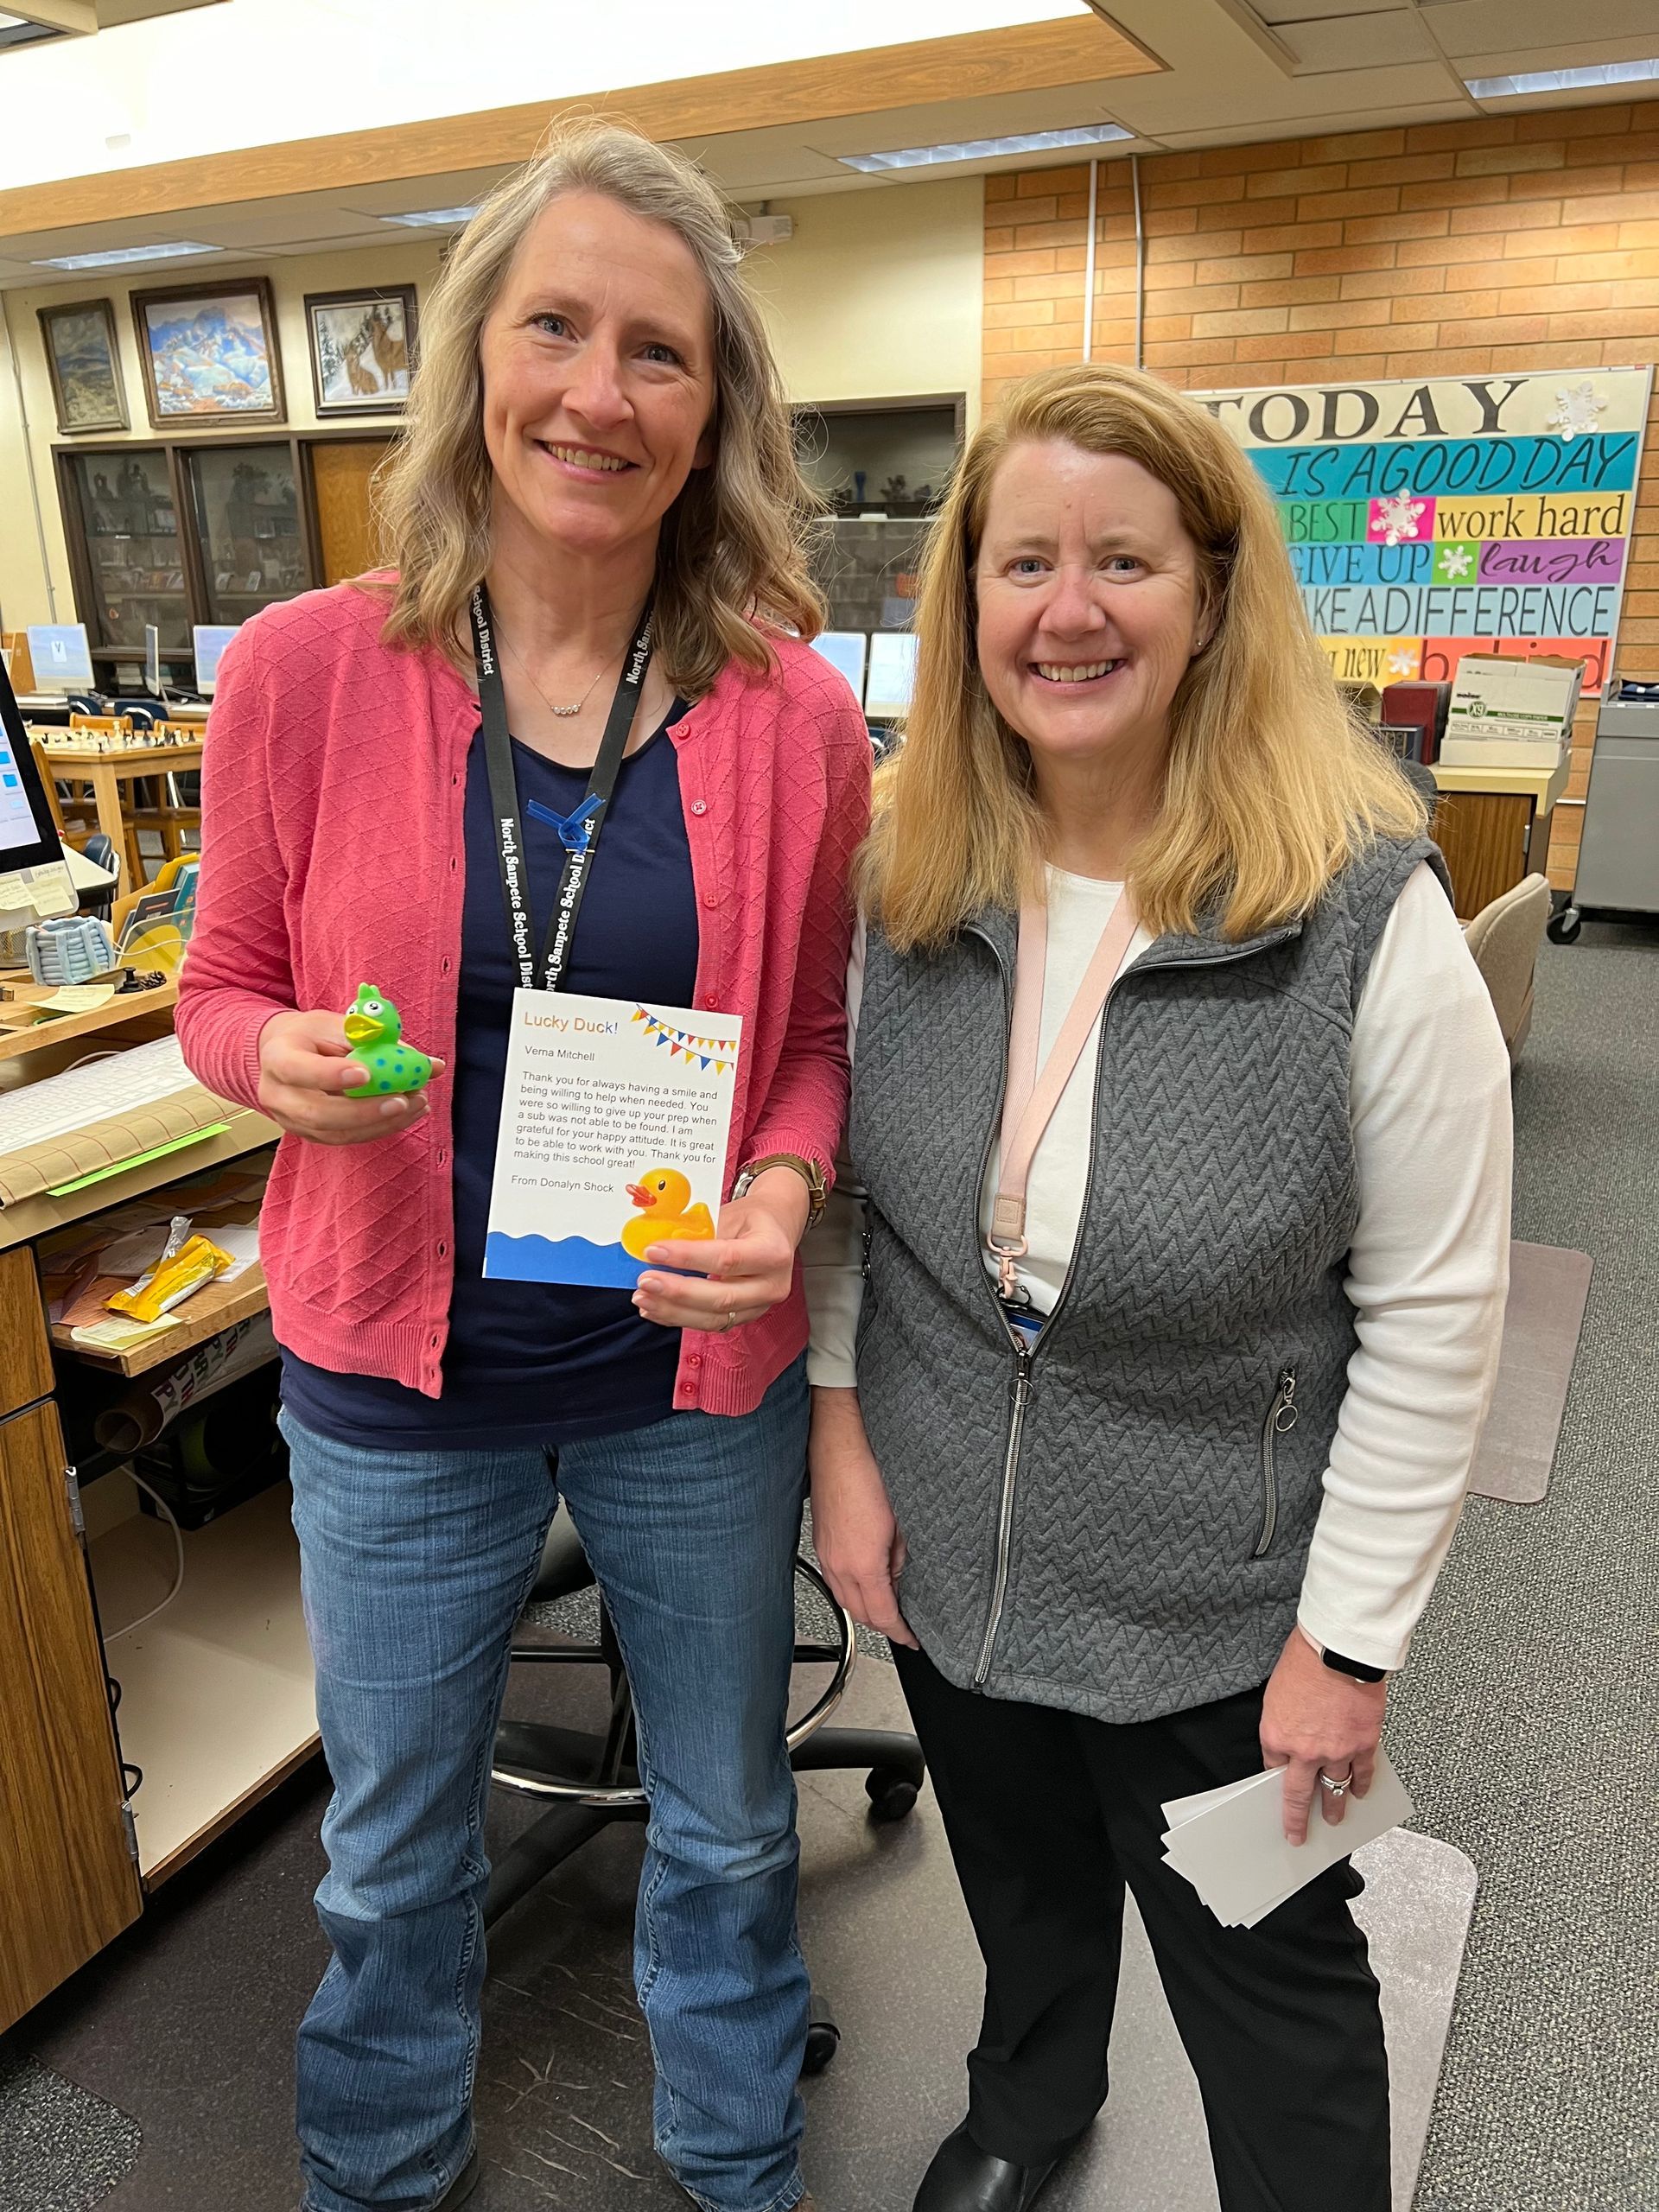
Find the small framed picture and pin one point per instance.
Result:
(209, 353)
(362, 348)
(85, 359)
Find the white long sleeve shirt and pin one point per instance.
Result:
(1428, 1270)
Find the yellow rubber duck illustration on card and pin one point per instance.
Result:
(665, 1215)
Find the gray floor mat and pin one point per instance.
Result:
(1548, 1291)
(61, 2149)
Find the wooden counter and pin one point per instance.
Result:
(216, 1702)
(1493, 827)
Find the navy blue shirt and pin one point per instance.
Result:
(537, 1364)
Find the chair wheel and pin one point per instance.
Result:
(1563, 928)
(822, 2042)
(891, 1795)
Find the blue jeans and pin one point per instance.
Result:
(416, 1566)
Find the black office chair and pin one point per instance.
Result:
(99, 849)
(589, 1781)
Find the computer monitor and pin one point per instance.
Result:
(845, 650)
(892, 674)
(210, 641)
(35, 882)
(61, 656)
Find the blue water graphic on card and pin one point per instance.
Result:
(571, 1259)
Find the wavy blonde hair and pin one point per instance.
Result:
(1270, 786)
(732, 556)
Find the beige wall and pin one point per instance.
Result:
(878, 293)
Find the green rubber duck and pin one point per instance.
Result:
(374, 1029)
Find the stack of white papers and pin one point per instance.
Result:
(1229, 1843)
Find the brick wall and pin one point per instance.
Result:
(1522, 241)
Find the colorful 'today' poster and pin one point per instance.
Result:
(614, 1124)
(1431, 519)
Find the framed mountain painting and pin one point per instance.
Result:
(84, 361)
(209, 353)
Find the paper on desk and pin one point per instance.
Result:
(1233, 1848)
(123, 1335)
(77, 998)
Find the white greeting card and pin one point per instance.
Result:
(615, 1119)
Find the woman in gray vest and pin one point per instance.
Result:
(1182, 1117)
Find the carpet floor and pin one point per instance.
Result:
(1527, 1723)
(1525, 1726)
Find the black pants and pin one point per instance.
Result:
(1048, 1815)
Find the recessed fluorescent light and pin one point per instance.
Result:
(18, 30)
(434, 219)
(115, 253)
(978, 150)
(1561, 81)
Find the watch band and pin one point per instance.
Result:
(809, 1171)
(1358, 1671)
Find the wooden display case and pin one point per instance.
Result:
(207, 529)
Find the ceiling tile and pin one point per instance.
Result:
(1319, 126)
(1281, 12)
(1357, 42)
(1517, 27)
(316, 217)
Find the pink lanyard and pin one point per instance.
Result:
(1032, 1096)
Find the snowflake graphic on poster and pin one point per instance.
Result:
(1397, 518)
(1577, 409)
(1402, 661)
(1455, 563)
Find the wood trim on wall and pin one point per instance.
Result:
(1030, 57)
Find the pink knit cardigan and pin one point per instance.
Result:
(333, 791)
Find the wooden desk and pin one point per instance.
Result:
(129, 1008)
(106, 771)
(216, 1694)
(1493, 827)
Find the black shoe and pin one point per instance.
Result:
(462, 2188)
(964, 2178)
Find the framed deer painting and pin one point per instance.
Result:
(362, 348)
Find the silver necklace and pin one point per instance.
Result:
(563, 713)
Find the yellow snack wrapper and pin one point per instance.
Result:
(196, 1262)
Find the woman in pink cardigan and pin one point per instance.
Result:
(597, 429)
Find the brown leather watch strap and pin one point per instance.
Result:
(809, 1171)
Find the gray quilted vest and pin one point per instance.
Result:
(1118, 1523)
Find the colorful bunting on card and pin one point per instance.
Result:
(715, 1053)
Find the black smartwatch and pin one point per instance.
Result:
(1355, 1668)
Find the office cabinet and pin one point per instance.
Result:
(72, 1875)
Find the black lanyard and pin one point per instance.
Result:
(580, 832)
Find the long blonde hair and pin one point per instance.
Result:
(1268, 786)
(733, 548)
